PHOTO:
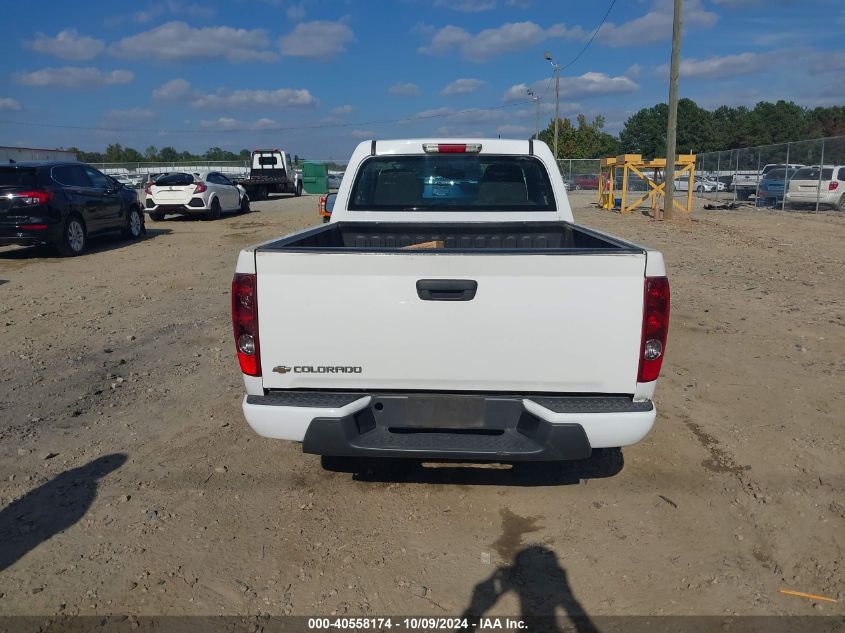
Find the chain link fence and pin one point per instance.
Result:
(157, 167)
(800, 175)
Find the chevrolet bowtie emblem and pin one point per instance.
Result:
(281, 369)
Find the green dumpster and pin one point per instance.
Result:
(315, 177)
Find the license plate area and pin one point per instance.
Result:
(446, 411)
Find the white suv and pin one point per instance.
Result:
(208, 193)
(810, 185)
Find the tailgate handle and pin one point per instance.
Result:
(447, 289)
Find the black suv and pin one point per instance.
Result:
(61, 204)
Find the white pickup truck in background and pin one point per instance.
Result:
(451, 309)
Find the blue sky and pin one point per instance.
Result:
(317, 76)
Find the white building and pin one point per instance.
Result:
(21, 154)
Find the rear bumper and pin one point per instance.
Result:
(176, 208)
(450, 426)
(810, 197)
(10, 234)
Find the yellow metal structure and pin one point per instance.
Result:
(649, 171)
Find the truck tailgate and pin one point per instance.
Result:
(537, 323)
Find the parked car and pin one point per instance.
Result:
(586, 181)
(63, 204)
(426, 284)
(123, 180)
(771, 188)
(745, 184)
(701, 184)
(207, 194)
(334, 179)
(325, 206)
(823, 185)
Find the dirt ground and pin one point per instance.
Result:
(129, 482)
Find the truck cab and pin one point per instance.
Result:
(271, 171)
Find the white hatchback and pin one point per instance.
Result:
(811, 185)
(207, 194)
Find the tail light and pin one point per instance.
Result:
(833, 186)
(149, 189)
(655, 328)
(32, 198)
(245, 322)
(322, 207)
(200, 187)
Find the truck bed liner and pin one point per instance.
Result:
(513, 237)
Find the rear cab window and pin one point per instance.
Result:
(460, 182)
(177, 179)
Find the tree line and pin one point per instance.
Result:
(116, 153)
(699, 130)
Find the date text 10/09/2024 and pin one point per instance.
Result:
(417, 624)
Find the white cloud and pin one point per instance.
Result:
(490, 43)
(342, 109)
(634, 70)
(68, 44)
(656, 25)
(223, 123)
(548, 107)
(590, 84)
(471, 115)
(173, 6)
(177, 41)
(7, 103)
(129, 116)
(73, 77)
(181, 90)
(405, 90)
(461, 131)
(362, 133)
(510, 128)
(228, 123)
(320, 39)
(280, 98)
(467, 6)
(296, 11)
(462, 86)
(174, 90)
(434, 112)
(519, 4)
(724, 65)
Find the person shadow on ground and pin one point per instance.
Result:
(51, 508)
(542, 588)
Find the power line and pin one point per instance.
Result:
(586, 46)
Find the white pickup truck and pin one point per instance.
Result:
(451, 309)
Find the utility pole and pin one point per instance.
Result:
(536, 101)
(548, 57)
(672, 126)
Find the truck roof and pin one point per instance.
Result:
(415, 145)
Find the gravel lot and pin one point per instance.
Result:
(129, 482)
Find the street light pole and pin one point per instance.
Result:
(548, 57)
(536, 101)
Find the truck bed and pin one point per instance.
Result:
(500, 237)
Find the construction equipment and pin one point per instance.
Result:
(614, 195)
